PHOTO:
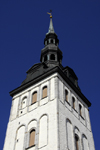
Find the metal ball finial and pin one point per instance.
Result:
(50, 13)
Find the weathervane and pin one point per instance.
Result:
(50, 13)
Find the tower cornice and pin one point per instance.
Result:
(58, 70)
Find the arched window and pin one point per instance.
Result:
(34, 97)
(44, 92)
(85, 142)
(69, 135)
(51, 40)
(52, 57)
(66, 95)
(45, 58)
(32, 138)
(80, 110)
(76, 142)
(20, 138)
(43, 131)
(24, 102)
(73, 102)
(45, 42)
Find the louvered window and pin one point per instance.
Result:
(44, 92)
(32, 138)
(34, 97)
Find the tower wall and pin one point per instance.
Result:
(71, 122)
(41, 116)
(55, 120)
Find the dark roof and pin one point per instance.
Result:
(36, 71)
(50, 66)
(40, 71)
(70, 71)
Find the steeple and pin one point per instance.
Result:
(49, 107)
(51, 28)
(51, 54)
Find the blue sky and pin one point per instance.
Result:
(23, 25)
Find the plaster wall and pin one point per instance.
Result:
(32, 116)
(59, 118)
(70, 118)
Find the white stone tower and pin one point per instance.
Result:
(49, 111)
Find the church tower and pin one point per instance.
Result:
(49, 111)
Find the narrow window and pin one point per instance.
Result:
(66, 95)
(24, 102)
(44, 92)
(45, 42)
(32, 138)
(45, 58)
(70, 135)
(52, 57)
(80, 110)
(51, 40)
(43, 132)
(73, 101)
(76, 142)
(20, 138)
(34, 97)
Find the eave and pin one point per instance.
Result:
(45, 75)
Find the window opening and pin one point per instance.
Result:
(45, 42)
(73, 101)
(66, 95)
(32, 138)
(51, 40)
(34, 97)
(76, 142)
(45, 58)
(44, 92)
(80, 110)
(23, 103)
(52, 57)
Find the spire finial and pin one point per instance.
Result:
(51, 29)
(50, 13)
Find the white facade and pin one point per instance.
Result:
(55, 121)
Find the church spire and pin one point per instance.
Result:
(51, 37)
(51, 54)
(51, 28)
